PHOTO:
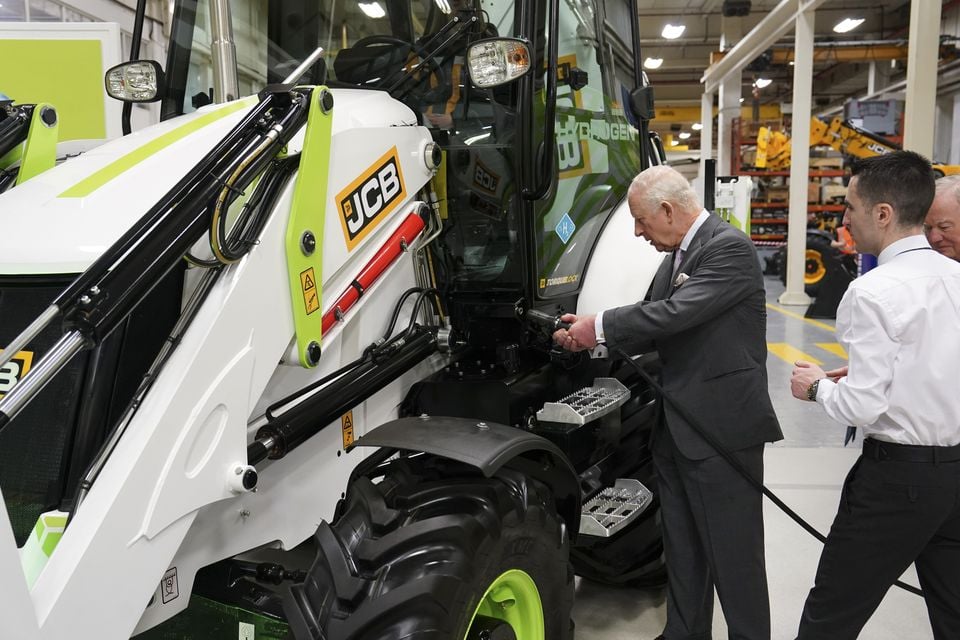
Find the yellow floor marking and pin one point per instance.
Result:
(791, 314)
(790, 353)
(834, 348)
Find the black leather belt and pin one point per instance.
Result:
(909, 452)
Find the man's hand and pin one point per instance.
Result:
(836, 374)
(804, 373)
(580, 336)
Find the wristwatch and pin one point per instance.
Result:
(812, 390)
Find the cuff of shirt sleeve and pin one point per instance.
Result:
(598, 327)
(825, 388)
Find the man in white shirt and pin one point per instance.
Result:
(705, 314)
(942, 225)
(900, 326)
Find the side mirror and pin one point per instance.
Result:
(497, 61)
(135, 81)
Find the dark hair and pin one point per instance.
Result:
(902, 179)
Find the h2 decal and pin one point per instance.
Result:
(369, 198)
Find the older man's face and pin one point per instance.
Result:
(942, 224)
(655, 225)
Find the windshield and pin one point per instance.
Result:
(365, 44)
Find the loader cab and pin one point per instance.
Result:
(514, 228)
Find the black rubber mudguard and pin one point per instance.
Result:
(488, 446)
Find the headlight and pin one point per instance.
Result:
(497, 61)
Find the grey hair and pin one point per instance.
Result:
(663, 184)
(949, 183)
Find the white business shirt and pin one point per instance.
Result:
(684, 245)
(900, 326)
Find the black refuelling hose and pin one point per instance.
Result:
(759, 486)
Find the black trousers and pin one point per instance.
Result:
(891, 514)
(713, 537)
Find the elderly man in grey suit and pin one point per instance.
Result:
(705, 313)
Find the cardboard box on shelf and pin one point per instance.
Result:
(813, 192)
(832, 193)
(778, 193)
(823, 164)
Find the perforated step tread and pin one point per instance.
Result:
(614, 508)
(587, 404)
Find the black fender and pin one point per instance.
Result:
(488, 446)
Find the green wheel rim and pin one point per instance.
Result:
(513, 597)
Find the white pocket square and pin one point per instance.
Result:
(680, 279)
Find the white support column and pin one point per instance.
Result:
(799, 160)
(730, 91)
(706, 134)
(872, 78)
(924, 44)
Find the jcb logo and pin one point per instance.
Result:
(369, 198)
(485, 179)
(11, 372)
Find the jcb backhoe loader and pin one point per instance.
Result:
(286, 358)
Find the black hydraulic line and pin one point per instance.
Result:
(138, 19)
(159, 248)
(255, 212)
(6, 179)
(372, 352)
(127, 284)
(301, 421)
(720, 449)
(163, 209)
(14, 128)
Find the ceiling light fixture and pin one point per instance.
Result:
(672, 31)
(847, 24)
(762, 82)
(372, 9)
(673, 143)
(684, 135)
(652, 63)
(696, 126)
(741, 100)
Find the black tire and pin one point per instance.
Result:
(412, 556)
(820, 258)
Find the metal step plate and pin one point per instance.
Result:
(587, 404)
(614, 508)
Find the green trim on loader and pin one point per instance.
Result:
(40, 545)
(40, 147)
(304, 238)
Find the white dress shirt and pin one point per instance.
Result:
(900, 326)
(684, 245)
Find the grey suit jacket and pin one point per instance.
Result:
(711, 334)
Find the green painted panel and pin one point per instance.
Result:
(40, 148)
(65, 73)
(307, 214)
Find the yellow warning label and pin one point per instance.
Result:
(11, 372)
(308, 284)
(346, 425)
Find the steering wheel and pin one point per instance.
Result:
(432, 65)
